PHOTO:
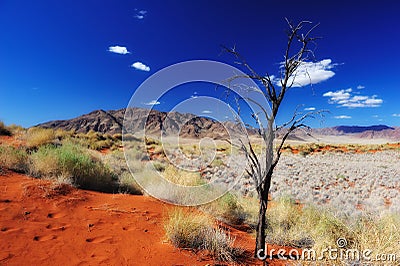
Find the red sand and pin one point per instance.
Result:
(40, 225)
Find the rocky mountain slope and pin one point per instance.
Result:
(192, 126)
(186, 125)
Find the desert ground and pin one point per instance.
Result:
(44, 225)
(50, 222)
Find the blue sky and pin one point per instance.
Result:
(61, 59)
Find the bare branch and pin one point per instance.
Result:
(297, 53)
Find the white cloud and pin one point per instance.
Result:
(396, 115)
(140, 14)
(342, 117)
(309, 109)
(375, 116)
(346, 98)
(337, 96)
(153, 102)
(118, 49)
(374, 101)
(140, 66)
(311, 73)
(360, 87)
(206, 112)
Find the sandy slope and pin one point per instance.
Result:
(45, 225)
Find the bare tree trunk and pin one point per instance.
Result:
(264, 190)
(261, 226)
(261, 170)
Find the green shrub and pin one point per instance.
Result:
(73, 161)
(128, 184)
(226, 209)
(13, 158)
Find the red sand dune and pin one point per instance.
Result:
(41, 224)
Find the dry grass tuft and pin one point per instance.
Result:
(290, 224)
(190, 229)
(182, 177)
(73, 162)
(36, 137)
(226, 209)
(13, 158)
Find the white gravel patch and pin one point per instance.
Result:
(345, 182)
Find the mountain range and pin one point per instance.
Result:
(192, 126)
(111, 122)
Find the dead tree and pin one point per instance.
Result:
(261, 168)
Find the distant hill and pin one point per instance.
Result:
(99, 121)
(197, 126)
(169, 123)
(364, 132)
(361, 129)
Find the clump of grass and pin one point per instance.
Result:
(283, 219)
(182, 177)
(12, 158)
(190, 150)
(36, 137)
(97, 141)
(290, 224)
(185, 229)
(379, 234)
(4, 131)
(324, 227)
(190, 229)
(226, 209)
(150, 141)
(74, 162)
(128, 184)
(217, 162)
(61, 134)
(117, 136)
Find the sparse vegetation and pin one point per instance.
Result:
(226, 209)
(128, 184)
(310, 148)
(97, 141)
(72, 161)
(36, 137)
(290, 224)
(217, 162)
(182, 177)
(59, 155)
(12, 158)
(193, 230)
